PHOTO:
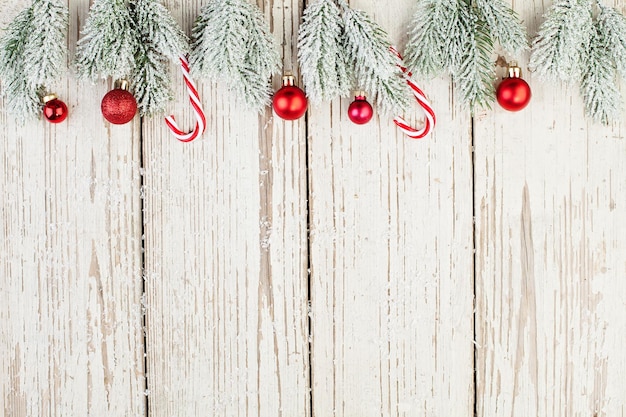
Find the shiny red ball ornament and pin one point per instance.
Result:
(513, 93)
(54, 110)
(289, 102)
(360, 111)
(119, 105)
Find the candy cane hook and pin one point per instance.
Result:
(422, 100)
(194, 98)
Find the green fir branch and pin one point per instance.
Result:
(158, 28)
(13, 42)
(457, 37)
(323, 65)
(231, 42)
(426, 49)
(504, 24)
(46, 42)
(612, 25)
(376, 70)
(151, 81)
(32, 52)
(559, 50)
(475, 74)
(160, 37)
(109, 42)
(598, 85)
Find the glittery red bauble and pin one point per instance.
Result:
(360, 111)
(289, 102)
(119, 106)
(55, 111)
(513, 94)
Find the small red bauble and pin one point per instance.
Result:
(119, 105)
(289, 102)
(360, 110)
(54, 110)
(513, 93)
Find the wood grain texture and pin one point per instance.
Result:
(70, 258)
(226, 254)
(551, 256)
(391, 257)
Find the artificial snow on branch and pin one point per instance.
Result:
(375, 65)
(32, 54)
(109, 42)
(160, 38)
(458, 37)
(231, 42)
(133, 41)
(598, 82)
(558, 51)
(576, 47)
(323, 65)
(474, 75)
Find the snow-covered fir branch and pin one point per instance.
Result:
(151, 82)
(46, 42)
(32, 54)
(558, 51)
(109, 42)
(376, 70)
(231, 42)
(505, 25)
(598, 82)
(458, 37)
(160, 38)
(325, 72)
(22, 99)
(427, 48)
(475, 73)
(612, 24)
(157, 27)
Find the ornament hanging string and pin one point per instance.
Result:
(194, 99)
(422, 100)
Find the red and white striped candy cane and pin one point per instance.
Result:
(422, 100)
(194, 98)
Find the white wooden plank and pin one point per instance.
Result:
(226, 283)
(71, 341)
(551, 210)
(391, 257)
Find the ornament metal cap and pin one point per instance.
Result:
(49, 97)
(360, 94)
(514, 70)
(122, 85)
(289, 80)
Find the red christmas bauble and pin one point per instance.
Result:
(513, 93)
(289, 102)
(119, 106)
(54, 110)
(360, 111)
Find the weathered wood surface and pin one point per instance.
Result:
(391, 258)
(226, 255)
(71, 340)
(551, 256)
(384, 325)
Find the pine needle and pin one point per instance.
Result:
(109, 42)
(323, 65)
(558, 52)
(232, 43)
(367, 46)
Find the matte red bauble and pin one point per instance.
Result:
(54, 110)
(360, 110)
(289, 102)
(118, 105)
(513, 93)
